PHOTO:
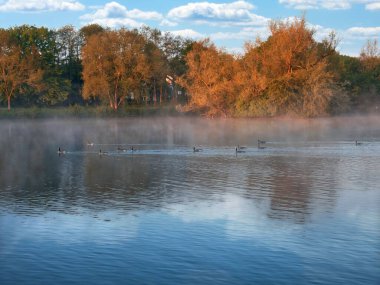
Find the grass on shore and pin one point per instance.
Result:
(88, 112)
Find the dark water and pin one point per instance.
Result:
(304, 210)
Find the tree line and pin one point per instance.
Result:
(93, 65)
(289, 73)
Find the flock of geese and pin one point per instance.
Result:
(238, 148)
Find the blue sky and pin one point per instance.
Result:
(228, 23)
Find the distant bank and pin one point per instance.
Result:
(87, 112)
(78, 111)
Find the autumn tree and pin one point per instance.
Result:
(16, 68)
(250, 82)
(114, 64)
(293, 68)
(42, 47)
(209, 79)
(288, 73)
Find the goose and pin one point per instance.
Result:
(119, 148)
(196, 149)
(90, 143)
(60, 151)
(358, 143)
(237, 150)
(241, 147)
(102, 152)
(259, 143)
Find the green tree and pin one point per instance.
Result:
(370, 70)
(42, 47)
(69, 47)
(92, 29)
(156, 59)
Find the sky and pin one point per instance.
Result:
(229, 24)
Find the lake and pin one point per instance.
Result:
(301, 208)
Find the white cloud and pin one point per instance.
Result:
(326, 4)
(251, 33)
(167, 23)
(241, 218)
(118, 22)
(321, 32)
(188, 33)
(363, 32)
(373, 6)
(235, 13)
(353, 39)
(142, 15)
(114, 14)
(246, 34)
(40, 5)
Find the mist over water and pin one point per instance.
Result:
(303, 210)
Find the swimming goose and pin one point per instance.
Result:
(196, 149)
(259, 144)
(102, 152)
(61, 151)
(358, 143)
(237, 150)
(241, 147)
(90, 143)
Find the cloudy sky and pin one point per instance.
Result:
(228, 23)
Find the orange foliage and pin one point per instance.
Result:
(287, 74)
(210, 79)
(114, 63)
(16, 68)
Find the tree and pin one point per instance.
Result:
(295, 69)
(156, 59)
(209, 79)
(92, 29)
(43, 49)
(69, 46)
(370, 74)
(370, 55)
(16, 68)
(114, 64)
(69, 67)
(250, 81)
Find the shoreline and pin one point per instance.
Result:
(77, 111)
(104, 112)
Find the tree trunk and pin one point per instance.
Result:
(9, 103)
(115, 105)
(155, 93)
(161, 94)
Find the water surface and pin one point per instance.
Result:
(303, 210)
